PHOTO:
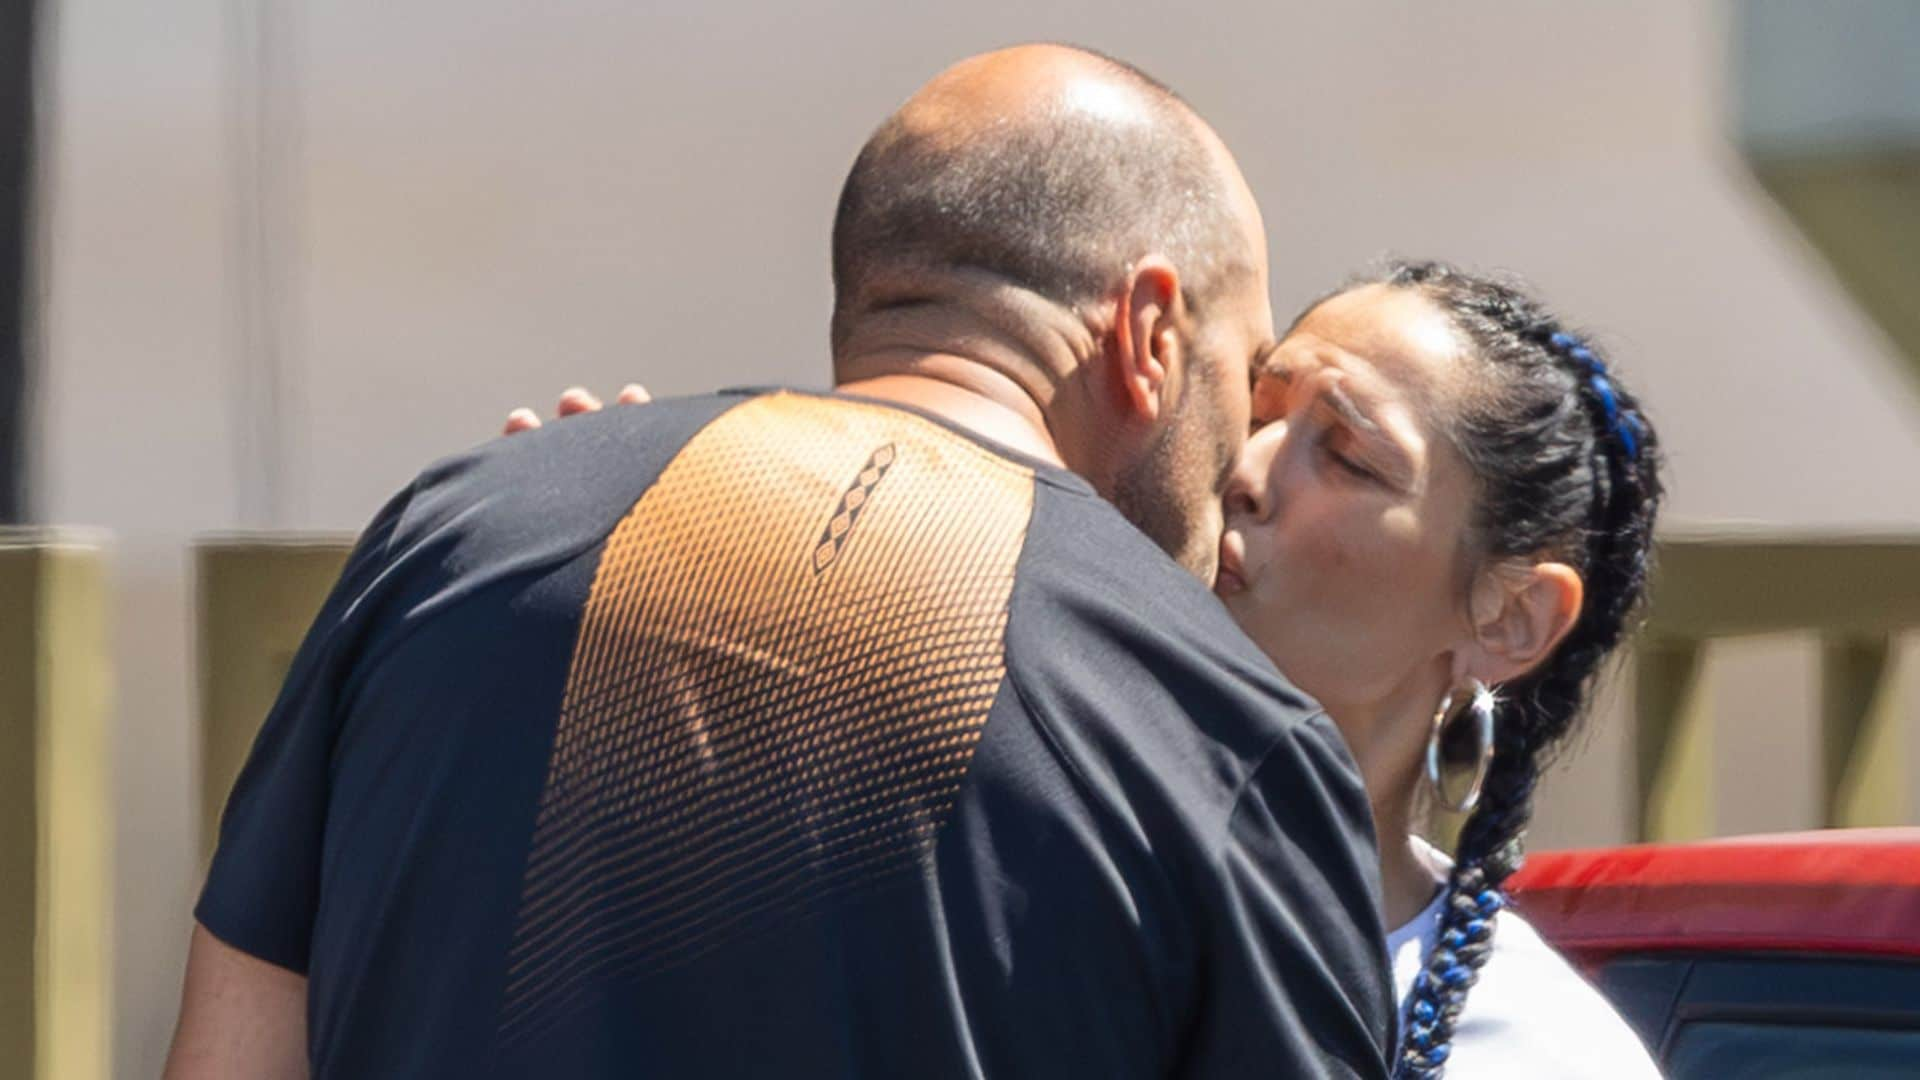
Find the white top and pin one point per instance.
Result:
(1530, 1015)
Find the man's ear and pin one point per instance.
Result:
(1146, 344)
(1521, 611)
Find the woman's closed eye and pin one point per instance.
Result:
(1329, 422)
(1318, 410)
(1348, 463)
(1341, 446)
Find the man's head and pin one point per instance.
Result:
(1072, 194)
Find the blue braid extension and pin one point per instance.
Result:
(1465, 939)
(1627, 430)
(1440, 989)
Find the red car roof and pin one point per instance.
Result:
(1839, 891)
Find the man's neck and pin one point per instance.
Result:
(970, 347)
(969, 395)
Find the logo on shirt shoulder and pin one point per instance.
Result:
(847, 513)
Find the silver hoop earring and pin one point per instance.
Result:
(1482, 709)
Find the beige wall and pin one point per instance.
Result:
(467, 205)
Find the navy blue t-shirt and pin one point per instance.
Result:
(782, 734)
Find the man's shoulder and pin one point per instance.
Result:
(1113, 642)
(1087, 575)
(543, 495)
(601, 457)
(1088, 565)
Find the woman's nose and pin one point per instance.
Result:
(1248, 492)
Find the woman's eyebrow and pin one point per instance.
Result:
(1350, 412)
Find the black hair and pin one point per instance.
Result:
(1055, 201)
(1568, 468)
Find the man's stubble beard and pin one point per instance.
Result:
(1171, 495)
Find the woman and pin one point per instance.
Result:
(1440, 529)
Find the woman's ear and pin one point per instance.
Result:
(1521, 611)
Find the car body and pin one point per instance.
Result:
(1754, 957)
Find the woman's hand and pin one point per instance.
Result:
(573, 401)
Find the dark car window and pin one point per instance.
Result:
(1770, 1016)
(1645, 991)
(1791, 1052)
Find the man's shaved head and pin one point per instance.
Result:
(1048, 166)
(1052, 231)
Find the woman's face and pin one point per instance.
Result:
(1347, 517)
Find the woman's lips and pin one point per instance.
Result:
(1229, 578)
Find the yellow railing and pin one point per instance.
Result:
(1857, 595)
(255, 596)
(56, 823)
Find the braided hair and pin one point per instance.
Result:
(1567, 468)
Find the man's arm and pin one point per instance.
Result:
(240, 1017)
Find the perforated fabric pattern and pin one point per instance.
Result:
(785, 663)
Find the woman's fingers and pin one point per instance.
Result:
(521, 419)
(576, 400)
(573, 401)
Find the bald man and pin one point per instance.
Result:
(883, 733)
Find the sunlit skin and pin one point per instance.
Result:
(1350, 555)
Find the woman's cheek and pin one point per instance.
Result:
(1379, 554)
(1339, 548)
(1402, 528)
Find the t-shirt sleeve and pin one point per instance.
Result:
(1300, 967)
(263, 884)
